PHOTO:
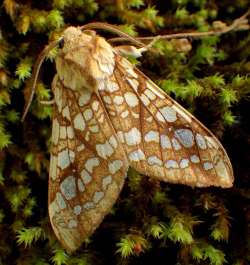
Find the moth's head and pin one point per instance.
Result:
(74, 38)
(84, 60)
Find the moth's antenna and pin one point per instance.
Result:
(113, 29)
(35, 73)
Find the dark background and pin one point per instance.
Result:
(152, 222)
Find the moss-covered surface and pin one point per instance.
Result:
(151, 223)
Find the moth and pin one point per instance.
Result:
(108, 116)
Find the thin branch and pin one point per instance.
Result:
(240, 23)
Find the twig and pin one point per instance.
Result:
(240, 23)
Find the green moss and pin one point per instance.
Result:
(209, 76)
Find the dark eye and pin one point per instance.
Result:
(61, 43)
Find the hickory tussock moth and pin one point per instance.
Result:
(108, 116)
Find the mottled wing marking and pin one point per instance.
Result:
(87, 166)
(160, 137)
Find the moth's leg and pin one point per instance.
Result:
(47, 102)
(129, 50)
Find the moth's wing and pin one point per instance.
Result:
(87, 167)
(161, 138)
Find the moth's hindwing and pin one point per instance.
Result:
(87, 165)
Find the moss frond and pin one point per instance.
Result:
(27, 236)
(24, 68)
(60, 257)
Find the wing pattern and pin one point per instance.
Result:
(160, 137)
(87, 166)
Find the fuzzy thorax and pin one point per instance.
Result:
(85, 60)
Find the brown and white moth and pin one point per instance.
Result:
(108, 116)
